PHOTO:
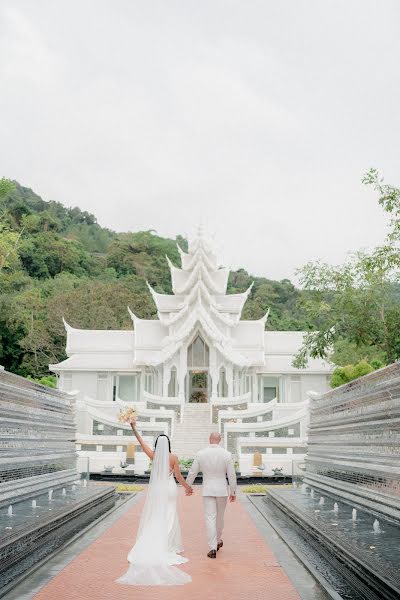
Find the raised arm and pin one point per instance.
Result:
(179, 477)
(146, 448)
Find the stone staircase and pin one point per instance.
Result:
(192, 434)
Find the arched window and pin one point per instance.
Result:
(198, 354)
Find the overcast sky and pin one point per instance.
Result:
(257, 117)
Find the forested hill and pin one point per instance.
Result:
(57, 261)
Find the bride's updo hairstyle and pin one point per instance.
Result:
(169, 441)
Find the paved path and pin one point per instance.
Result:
(245, 567)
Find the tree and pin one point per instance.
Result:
(349, 353)
(389, 199)
(6, 186)
(359, 300)
(9, 240)
(143, 254)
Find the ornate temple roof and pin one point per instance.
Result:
(199, 303)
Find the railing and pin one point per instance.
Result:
(218, 404)
(173, 402)
(266, 426)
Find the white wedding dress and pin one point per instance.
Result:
(159, 541)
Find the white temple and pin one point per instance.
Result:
(195, 369)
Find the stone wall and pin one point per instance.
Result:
(41, 503)
(37, 438)
(354, 441)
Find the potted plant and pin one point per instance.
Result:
(185, 464)
(277, 471)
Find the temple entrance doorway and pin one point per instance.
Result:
(198, 378)
(198, 386)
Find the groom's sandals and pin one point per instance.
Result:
(212, 554)
(221, 543)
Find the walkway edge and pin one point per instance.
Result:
(11, 592)
(300, 556)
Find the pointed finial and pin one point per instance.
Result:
(133, 316)
(169, 261)
(181, 252)
(264, 319)
(66, 325)
(247, 292)
(152, 292)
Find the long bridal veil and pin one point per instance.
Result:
(150, 561)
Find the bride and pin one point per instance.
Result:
(158, 541)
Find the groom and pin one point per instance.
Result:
(216, 465)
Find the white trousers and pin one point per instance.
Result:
(214, 509)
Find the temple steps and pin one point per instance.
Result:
(192, 434)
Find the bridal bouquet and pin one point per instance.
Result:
(126, 414)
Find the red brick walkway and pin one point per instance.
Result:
(245, 567)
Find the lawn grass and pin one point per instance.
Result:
(254, 488)
(128, 487)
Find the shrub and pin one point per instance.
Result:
(186, 463)
(345, 374)
(48, 380)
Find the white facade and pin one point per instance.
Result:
(196, 368)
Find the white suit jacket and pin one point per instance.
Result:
(216, 465)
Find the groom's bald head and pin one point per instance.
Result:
(215, 438)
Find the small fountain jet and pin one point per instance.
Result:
(376, 526)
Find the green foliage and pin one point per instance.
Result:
(186, 463)
(346, 353)
(389, 199)
(8, 239)
(280, 297)
(342, 375)
(49, 380)
(6, 187)
(358, 301)
(59, 262)
(143, 254)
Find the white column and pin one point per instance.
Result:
(165, 380)
(229, 379)
(142, 377)
(182, 373)
(255, 388)
(213, 372)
